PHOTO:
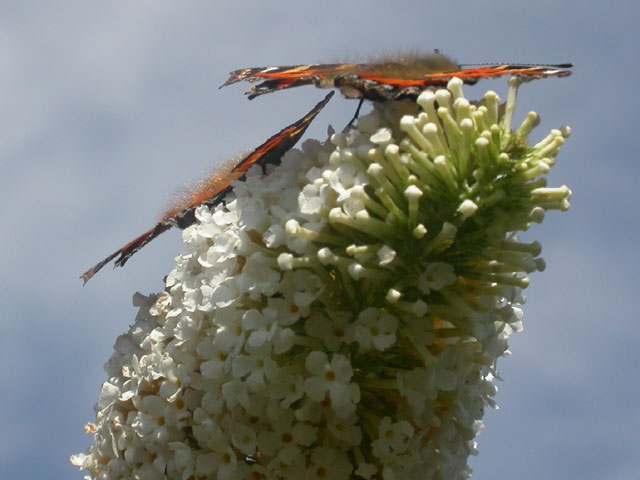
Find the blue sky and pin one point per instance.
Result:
(107, 108)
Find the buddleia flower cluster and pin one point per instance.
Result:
(339, 317)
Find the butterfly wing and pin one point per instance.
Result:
(526, 72)
(280, 78)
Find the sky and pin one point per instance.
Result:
(109, 108)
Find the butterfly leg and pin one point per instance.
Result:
(355, 115)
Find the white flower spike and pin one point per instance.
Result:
(342, 317)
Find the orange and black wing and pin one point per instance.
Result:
(270, 152)
(128, 250)
(280, 78)
(472, 75)
(382, 86)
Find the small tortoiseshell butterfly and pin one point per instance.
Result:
(213, 190)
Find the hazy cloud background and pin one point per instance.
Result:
(108, 107)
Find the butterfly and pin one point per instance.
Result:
(390, 79)
(213, 190)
